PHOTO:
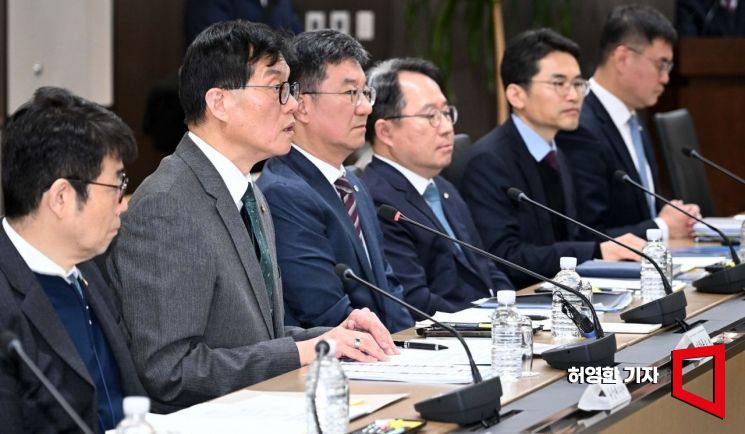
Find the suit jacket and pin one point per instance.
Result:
(595, 151)
(315, 234)
(519, 233)
(191, 288)
(434, 274)
(26, 406)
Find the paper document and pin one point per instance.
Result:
(729, 226)
(255, 411)
(629, 327)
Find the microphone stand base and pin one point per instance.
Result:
(584, 353)
(666, 310)
(727, 281)
(465, 406)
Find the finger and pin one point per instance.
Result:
(368, 350)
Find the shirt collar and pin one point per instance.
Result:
(537, 145)
(419, 182)
(234, 179)
(329, 172)
(619, 113)
(37, 261)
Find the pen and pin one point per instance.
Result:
(420, 345)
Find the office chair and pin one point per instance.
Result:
(688, 179)
(454, 172)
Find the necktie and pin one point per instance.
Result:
(432, 197)
(641, 160)
(346, 192)
(552, 160)
(251, 217)
(78, 286)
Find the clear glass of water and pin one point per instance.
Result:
(526, 330)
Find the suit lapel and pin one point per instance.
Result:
(229, 214)
(37, 307)
(320, 184)
(467, 258)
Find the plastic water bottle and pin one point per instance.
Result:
(561, 326)
(742, 242)
(506, 338)
(585, 289)
(135, 409)
(326, 380)
(651, 282)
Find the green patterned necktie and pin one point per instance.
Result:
(251, 217)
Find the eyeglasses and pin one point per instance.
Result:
(562, 86)
(662, 65)
(122, 187)
(355, 94)
(435, 118)
(284, 89)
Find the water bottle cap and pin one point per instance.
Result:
(136, 405)
(506, 296)
(654, 234)
(567, 262)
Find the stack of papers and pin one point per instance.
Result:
(729, 226)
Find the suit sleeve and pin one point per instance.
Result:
(163, 268)
(593, 172)
(485, 182)
(10, 405)
(314, 295)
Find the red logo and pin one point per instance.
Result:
(717, 351)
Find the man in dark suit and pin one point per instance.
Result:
(544, 87)
(322, 212)
(411, 129)
(64, 180)
(636, 57)
(195, 263)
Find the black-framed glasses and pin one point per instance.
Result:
(562, 86)
(435, 118)
(662, 65)
(354, 94)
(122, 187)
(284, 89)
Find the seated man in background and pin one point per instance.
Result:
(63, 184)
(195, 264)
(636, 47)
(323, 213)
(540, 71)
(411, 131)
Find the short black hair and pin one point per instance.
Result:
(524, 51)
(223, 56)
(384, 78)
(634, 24)
(314, 50)
(58, 135)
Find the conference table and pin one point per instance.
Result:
(547, 402)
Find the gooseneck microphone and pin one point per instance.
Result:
(598, 351)
(9, 346)
(692, 153)
(475, 403)
(666, 310)
(726, 281)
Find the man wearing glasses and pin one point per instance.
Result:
(322, 213)
(195, 264)
(411, 129)
(540, 71)
(63, 178)
(636, 48)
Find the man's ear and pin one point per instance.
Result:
(516, 96)
(304, 106)
(217, 102)
(383, 132)
(60, 197)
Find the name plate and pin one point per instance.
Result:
(695, 337)
(604, 396)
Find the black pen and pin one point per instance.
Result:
(420, 345)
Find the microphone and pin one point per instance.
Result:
(467, 405)
(666, 310)
(692, 153)
(726, 281)
(599, 351)
(9, 345)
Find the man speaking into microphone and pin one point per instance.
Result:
(541, 73)
(411, 130)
